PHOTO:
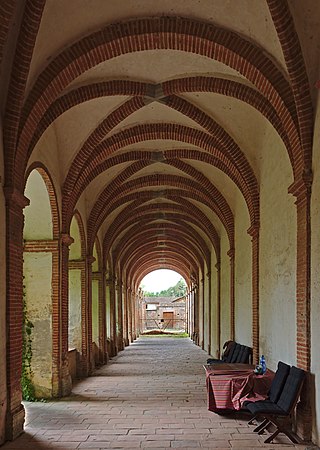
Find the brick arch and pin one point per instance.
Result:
(180, 217)
(171, 88)
(45, 174)
(149, 246)
(186, 230)
(112, 198)
(177, 195)
(178, 258)
(172, 241)
(139, 275)
(293, 56)
(144, 214)
(208, 143)
(20, 69)
(148, 34)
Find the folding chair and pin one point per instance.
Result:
(270, 411)
(276, 387)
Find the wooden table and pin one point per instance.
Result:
(230, 385)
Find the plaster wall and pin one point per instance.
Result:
(38, 219)
(277, 256)
(46, 151)
(3, 381)
(75, 309)
(225, 290)
(95, 311)
(37, 270)
(315, 282)
(75, 247)
(243, 274)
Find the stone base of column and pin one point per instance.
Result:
(66, 381)
(14, 423)
(126, 342)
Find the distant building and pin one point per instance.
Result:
(163, 313)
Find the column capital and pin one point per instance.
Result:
(66, 239)
(231, 252)
(14, 196)
(218, 266)
(301, 187)
(90, 259)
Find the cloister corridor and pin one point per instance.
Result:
(152, 395)
(139, 135)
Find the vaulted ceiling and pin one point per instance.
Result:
(149, 115)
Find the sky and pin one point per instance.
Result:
(159, 280)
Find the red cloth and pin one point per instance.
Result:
(229, 389)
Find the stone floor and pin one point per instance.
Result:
(152, 395)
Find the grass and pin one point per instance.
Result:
(158, 334)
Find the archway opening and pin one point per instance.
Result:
(38, 264)
(163, 306)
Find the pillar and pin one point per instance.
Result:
(15, 202)
(253, 231)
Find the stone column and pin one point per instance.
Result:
(65, 379)
(253, 231)
(110, 282)
(129, 306)
(87, 315)
(302, 191)
(203, 313)
(15, 202)
(209, 312)
(119, 288)
(231, 254)
(218, 321)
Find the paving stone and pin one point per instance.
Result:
(151, 395)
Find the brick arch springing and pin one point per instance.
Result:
(215, 43)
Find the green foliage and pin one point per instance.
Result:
(178, 290)
(28, 391)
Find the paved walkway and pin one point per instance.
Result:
(152, 395)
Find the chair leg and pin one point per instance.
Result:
(281, 429)
(270, 438)
(252, 420)
(262, 426)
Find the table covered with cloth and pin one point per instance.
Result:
(229, 387)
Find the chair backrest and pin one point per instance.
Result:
(291, 389)
(235, 354)
(278, 381)
(244, 357)
(229, 352)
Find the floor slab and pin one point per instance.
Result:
(150, 396)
